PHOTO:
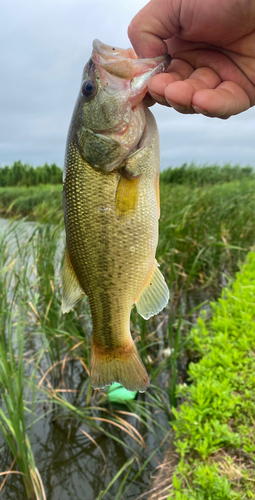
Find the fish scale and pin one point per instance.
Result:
(105, 252)
(111, 220)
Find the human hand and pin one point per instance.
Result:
(212, 45)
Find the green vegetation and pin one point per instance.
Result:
(204, 232)
(26, 175)
(206, 229)
(14, 389)
(214, 428)
(40, 351)
(20, 174)
(35, 203)
(206, 174)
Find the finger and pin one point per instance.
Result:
(149, 100)
(179, 70)
(160, 100)
(221, 64)
(180, 93)
(152, 25)
(226, 100)
(158, 84)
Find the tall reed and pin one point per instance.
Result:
(14, 388)
(204, 232)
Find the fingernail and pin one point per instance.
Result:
(159, 98)
(176, 106)
(200, 111)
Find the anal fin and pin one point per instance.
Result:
(72, 291)
(154, 296)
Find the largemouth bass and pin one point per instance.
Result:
(111, 209)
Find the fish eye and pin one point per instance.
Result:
(89, 88)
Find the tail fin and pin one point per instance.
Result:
(119, 365)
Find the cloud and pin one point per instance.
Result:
(44, 46)
(187, 138)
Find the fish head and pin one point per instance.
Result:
(109, 120)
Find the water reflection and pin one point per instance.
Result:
(72, 467)
(70, 463)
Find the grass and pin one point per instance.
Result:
(12, 377)
(12, 415)
(194, 175)
(38, 348)
(214, 427)
(35, 202)
(204, 234)
(203, 231)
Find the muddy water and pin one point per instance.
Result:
(71, 466)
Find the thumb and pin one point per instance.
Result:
(156, 22)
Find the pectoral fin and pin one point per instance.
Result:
(154, 296)
(72, 291)
(127, 194)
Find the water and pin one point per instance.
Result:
(72, 467)
(70, 464)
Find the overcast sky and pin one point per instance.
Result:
(44, 47)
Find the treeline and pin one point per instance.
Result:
(20, 174)
(194, 175)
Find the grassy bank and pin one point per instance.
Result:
(194, 175)
(204, 233)
(214, 427)
(44, 378)
(36, 202)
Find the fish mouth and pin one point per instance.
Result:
(121, 71)
(124, 63)
(124, 78)
(117, 64)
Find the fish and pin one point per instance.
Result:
(111, 209)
